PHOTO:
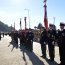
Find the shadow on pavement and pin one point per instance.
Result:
(32, 56)
(13, 44)
(51, 62)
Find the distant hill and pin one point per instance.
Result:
(4, 27)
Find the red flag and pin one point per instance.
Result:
(46, 23)
(45, 18)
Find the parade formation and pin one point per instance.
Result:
(47, 36)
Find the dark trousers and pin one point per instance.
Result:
(0, 38)
(51, 50)
(21, 42)
(16, 40)
(30, 45)
(62, 53)
(43, 48)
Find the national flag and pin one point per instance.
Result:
(45, 19)
(46, 23)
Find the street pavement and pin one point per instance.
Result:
(11, 54)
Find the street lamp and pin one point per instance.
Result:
(54, 20)
(28, 16)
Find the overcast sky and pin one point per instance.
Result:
(12, 10)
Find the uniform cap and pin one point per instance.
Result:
(62, 24)
(51, 25)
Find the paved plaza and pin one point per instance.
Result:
(16, 55)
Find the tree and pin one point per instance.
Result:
(4, 27)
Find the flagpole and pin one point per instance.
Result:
(45, 15)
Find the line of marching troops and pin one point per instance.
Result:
(50, 38)
(26, 38)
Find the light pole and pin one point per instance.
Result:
(28, 16)
(54, 20)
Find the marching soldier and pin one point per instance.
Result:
(22, 38)
(12, 35)
(0, 35)
(3, 34)
(43, 39)
(29, 40)
(16, 37)
(51, 43)
(20, 35)
(61, 43)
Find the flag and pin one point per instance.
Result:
(45, 18)
(46, 23)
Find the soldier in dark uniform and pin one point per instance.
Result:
(29, 40)
(12, 35)
(0, 35)
(3, 34)
(22, 38)
(20, 35)
(43, 39)
(61, 43)
(16, 37)
(51, 43)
